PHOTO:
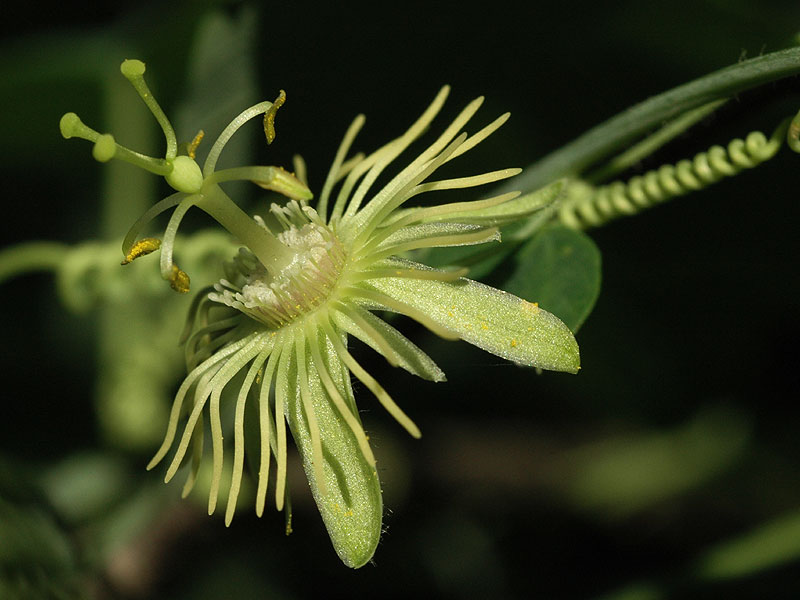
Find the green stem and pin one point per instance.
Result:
(651, 143)
(268, 249)
(605, 139)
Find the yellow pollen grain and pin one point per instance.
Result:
(513, 343)
(531, 306)
(484, 325)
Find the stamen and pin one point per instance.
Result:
(149, 215)
(169, 271)
(233, 127)
(269, 117)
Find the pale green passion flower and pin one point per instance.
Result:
(308, 278)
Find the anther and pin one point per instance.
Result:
(195, 143)
(269, 117)
(140, 248)
(179, 280)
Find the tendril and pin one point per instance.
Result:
(587, 206)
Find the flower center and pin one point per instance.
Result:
(300, 287)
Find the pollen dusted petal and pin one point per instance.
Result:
(491, 319)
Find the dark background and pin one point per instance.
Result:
(697, 314)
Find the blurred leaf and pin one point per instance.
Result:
(36, 558)
(622, 475)
(560, 269)
(635, 591)
(221, 83)
(768, 545)
(85, 485)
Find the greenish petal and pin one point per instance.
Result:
(491, 319)
(352, 506)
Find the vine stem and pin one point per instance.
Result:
(607, 138)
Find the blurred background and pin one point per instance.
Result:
(667, 468)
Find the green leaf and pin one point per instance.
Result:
(490, 319)
(560, 269)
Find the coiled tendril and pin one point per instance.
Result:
(588, 206)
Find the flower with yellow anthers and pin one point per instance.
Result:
(310, 277)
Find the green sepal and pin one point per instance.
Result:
(491, 319)
(352, 506)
